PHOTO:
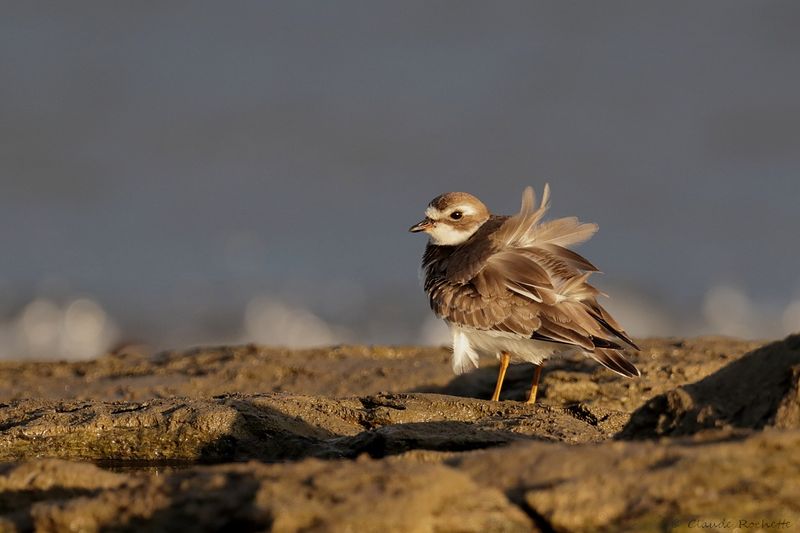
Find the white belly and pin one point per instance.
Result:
(469, 343)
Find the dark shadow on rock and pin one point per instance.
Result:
(435, 436)
(15, 505)
(268, 435)
(761, 389)
(480, 383)
(202, 501)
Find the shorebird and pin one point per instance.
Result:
(509, 286)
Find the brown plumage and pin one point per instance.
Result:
(514, 278)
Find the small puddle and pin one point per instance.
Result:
(128, 466)
(158, 467)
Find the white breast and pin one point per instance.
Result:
(468, 343)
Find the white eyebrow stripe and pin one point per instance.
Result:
(432, 213)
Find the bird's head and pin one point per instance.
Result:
(452, 218)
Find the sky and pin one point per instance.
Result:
(196, 172)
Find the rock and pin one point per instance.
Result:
(647, 486)
(609, 486)
(275, 427)
(664, 363)
(311, 495)
(427, 453)
(213, 371)
(348, 371)
(761, 389)
(23, 485)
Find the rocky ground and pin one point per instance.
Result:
(387, 439)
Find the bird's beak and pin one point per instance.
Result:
(422, 225)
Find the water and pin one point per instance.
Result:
(185, 167)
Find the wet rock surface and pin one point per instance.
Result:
(386, 439)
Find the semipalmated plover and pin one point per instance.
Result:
(508, 285)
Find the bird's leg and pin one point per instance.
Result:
(535, 387)
(504, 359)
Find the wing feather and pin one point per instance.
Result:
(565, 334)
(562, 232)
(573, 259)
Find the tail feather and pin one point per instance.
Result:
(465, 358)
(615, 361)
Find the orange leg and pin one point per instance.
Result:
(504, 360)
(535, 387)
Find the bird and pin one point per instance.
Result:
(511, 286)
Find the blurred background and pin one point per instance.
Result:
(179, 173)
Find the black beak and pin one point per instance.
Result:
(422, 225)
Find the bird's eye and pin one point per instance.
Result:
(455, 215)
